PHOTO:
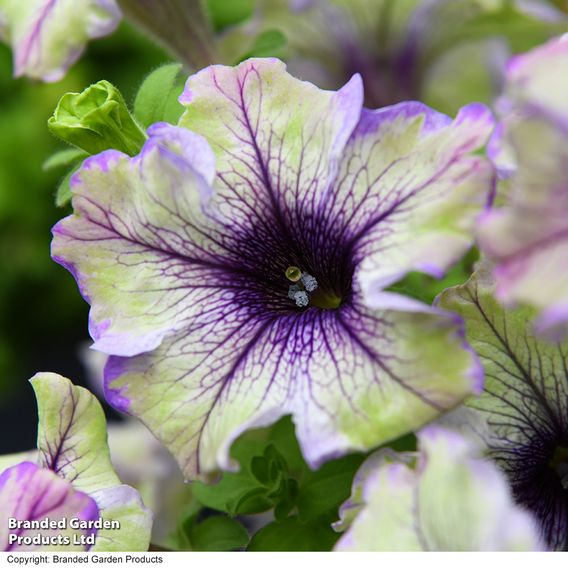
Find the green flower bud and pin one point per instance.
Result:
(97, 119)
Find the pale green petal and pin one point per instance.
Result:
(143, 463)
(527, 237)
(451, 500)
(123, 504)
(48, 36)
(525, 401)
(72, 442)
(72, 438)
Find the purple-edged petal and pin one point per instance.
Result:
(343, 380)
(48, 36)
(277, 140)
(188, 283)
(527, 238)
(451, 500)
(525, 401)
(142, 462)
(537, 80)
(409, 190)
(160, 240)
(72, 433)
(30, 493)
(72, 442)
(404, 50)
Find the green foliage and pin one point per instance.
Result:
(97, 119)
(267, 44)
(217, 534)
(325, 489)
(425, 288)
(63, 192)
(157, 99)
(225, 13)
(68, 158)
(64, 158)
(293, 535)
(274, 476)
(264, 482)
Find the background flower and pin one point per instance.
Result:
(48, 36)
(528, 237)
(447, 498)
(525, 401)
(73, 468)
(403, 49)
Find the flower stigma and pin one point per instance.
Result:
(293, 273)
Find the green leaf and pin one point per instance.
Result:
(283, 436)
(265, 480)
(223, 14)
(425, 288)
(292, 535)
(97, 119)
(63, 193)
(64, 159)
(328, 487)
(218, 534)
(267, 44)
(157, 98)
(235, 494)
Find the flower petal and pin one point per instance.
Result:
(525, 402)
(528, 237)
(351, 508)
(277, 140)
(409, 190)
(48, 36)
(28, 493)
(451, 500)
(188, 288)
(123, 504)
(343, 379)
(143, 463)
(537, 79)
(72, 433)
(72, 442)
(160, 239)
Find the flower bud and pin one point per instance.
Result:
(97, 119)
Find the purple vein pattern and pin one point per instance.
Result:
(72, 443)
(525, 402)
(183, 253)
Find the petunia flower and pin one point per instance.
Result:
(403, 49)
(237, 266)
(48, 36)
(525, 402)
(527, 238)
(72, 478)
(446, 498)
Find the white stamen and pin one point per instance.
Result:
(302, 299)
(309, 282)
(292, 290)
